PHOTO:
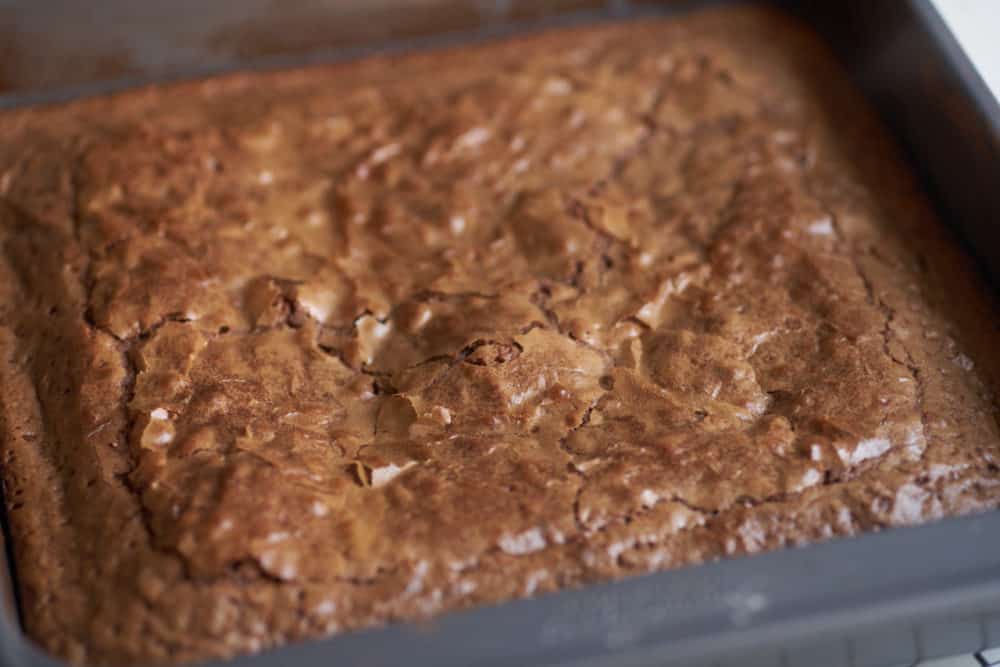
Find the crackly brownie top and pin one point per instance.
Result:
(367, 342)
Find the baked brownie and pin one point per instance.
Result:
(292, 353)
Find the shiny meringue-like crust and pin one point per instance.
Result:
(287, 354)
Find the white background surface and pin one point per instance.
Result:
(976, 23)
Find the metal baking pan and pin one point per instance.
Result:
(873, 601)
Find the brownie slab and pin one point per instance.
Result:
(288, 354)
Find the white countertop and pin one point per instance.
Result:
(976, 24)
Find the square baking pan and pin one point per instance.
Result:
(877, 600)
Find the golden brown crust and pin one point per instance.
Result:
(291, 353)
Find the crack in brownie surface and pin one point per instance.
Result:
(289, 354)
